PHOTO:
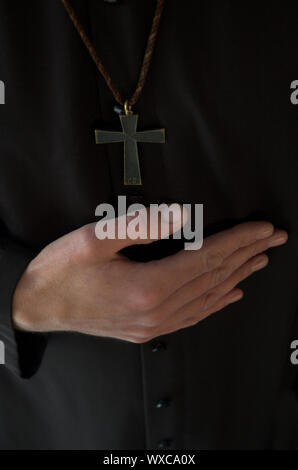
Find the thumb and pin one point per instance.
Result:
(140, 226)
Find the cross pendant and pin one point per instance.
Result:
(130, 137)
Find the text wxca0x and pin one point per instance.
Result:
(150, 459)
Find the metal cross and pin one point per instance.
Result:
(130, 137)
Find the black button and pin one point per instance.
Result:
(164, 443)
(163, 403)
(158, 346)
(111, 1)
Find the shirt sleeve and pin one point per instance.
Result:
(22, 351)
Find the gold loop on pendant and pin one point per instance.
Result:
(127, 108)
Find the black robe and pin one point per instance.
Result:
(220, 84)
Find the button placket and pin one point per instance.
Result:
(162, 372)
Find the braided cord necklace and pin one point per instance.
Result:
(129, 135)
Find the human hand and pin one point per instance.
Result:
(79, 283)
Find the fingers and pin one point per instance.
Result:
(220, 246)
(186, 265)
(190, 289)
(200, 306)
(213, 291)
(207, 293)
(207, 281)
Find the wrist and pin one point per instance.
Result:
(21, 311)
(28, 304)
